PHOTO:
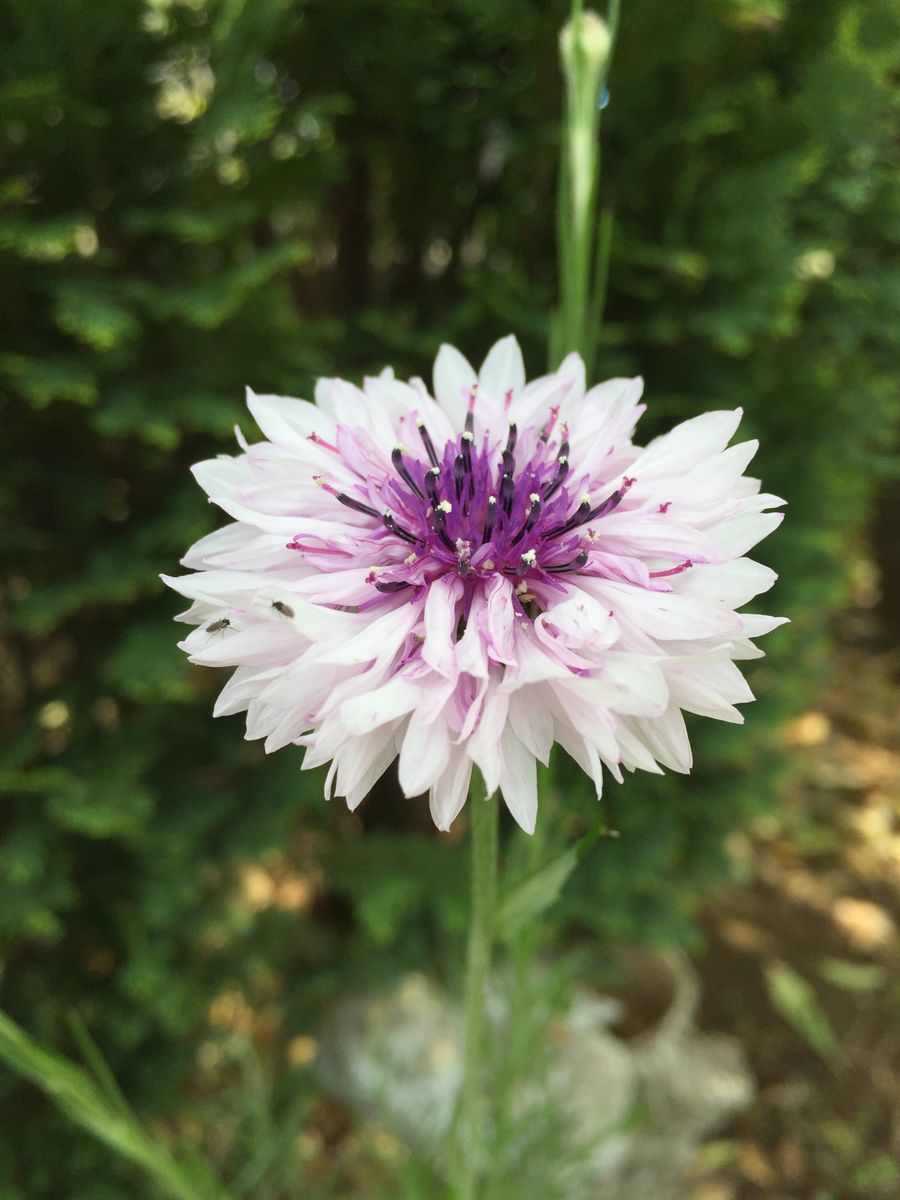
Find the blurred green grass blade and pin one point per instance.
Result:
(853, 976)
(96, 1063)
(796, 1001)
(85, 1103)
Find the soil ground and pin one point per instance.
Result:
(802, 962)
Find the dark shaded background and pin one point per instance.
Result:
(206, 194)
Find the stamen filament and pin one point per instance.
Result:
(672, 570)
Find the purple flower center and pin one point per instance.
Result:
(479, 509)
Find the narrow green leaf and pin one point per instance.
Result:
(536, 892)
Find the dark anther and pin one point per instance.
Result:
(531, 520)
(581, 514)
(391, 524)
(427, 443)
(562, 470)
(431, 482)
(391, 587)
(508, 462)
(403, 471)
(575, 565)
(356, 505)
(527, 562)
(467, 439)
(511, 439)
(440, 524)
(489, 519)
(604, 509)
(459, 474)
(507, 490)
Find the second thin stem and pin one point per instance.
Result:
(472, 1115)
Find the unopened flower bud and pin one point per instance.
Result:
(589, 37)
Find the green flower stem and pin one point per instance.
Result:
(472, 1113)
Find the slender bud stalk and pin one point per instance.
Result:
(586, 44)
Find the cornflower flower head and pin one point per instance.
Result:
(464, 578)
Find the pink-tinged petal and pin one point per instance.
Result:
(471, 649)
(448, 794)
(454, 378)
(440, 620)
(499, 620)
(518, 780)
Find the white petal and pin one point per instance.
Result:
(424, 755)
(481, 747)
(756, 625)
(503, 370)
(448, 794)
(740, 533)
(518, 780)
(733, 583)
(453, 381)
(394, 699)
(288, 422)
(687, 445)
(532, 721)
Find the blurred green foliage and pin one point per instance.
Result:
(202, 194)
